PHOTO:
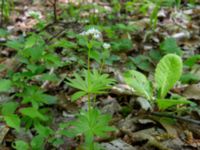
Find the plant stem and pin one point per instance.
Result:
(2, 13)
(88, 78)
(101, 67)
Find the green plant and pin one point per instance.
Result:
(169, 45)
(92, 83)
(90, 123)
(168, 72)
(6, 7)
(29, 112)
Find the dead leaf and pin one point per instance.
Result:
(192, 92)
(3, 131)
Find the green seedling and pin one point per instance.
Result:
(167, 73)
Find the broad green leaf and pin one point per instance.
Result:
(9, 108)
(139, 83)
(170, 46)
(30, 41)
(166, 103)
(77, 95)
(5, 85)
(168, 72)
(21, 145)
(13, 121)
(32, 113)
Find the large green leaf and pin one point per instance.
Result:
(168, 72)
(139, 83)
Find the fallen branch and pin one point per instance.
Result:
(163, 114)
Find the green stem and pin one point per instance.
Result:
(2, 13)
(101, 67)
(88, 78)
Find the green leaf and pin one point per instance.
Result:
(166, 103)
(13, 121)
(65, 44)
(170, 46)
(21, 145)
(142, 62)
(9, 108)
(91, 123)
(77, 95)
(189, 78)
(32, 113)
(5, 85)
(192, 60)
(96, 83)
(139, 83)
(42, 130)
(155, 55)
(37, 143)
(31, 41)
(96, 56)
(122, 44)
(15, 44)
(168, 72)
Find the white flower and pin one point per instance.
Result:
(106, 45)
(96, 34)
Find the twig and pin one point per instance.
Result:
(55, 10)
(60, 33)
(160, 114)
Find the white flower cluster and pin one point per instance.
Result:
(106, 45)
(96, 34)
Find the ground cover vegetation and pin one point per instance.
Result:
(99, 75)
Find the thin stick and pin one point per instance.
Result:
(55, 10)
(160, 114)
